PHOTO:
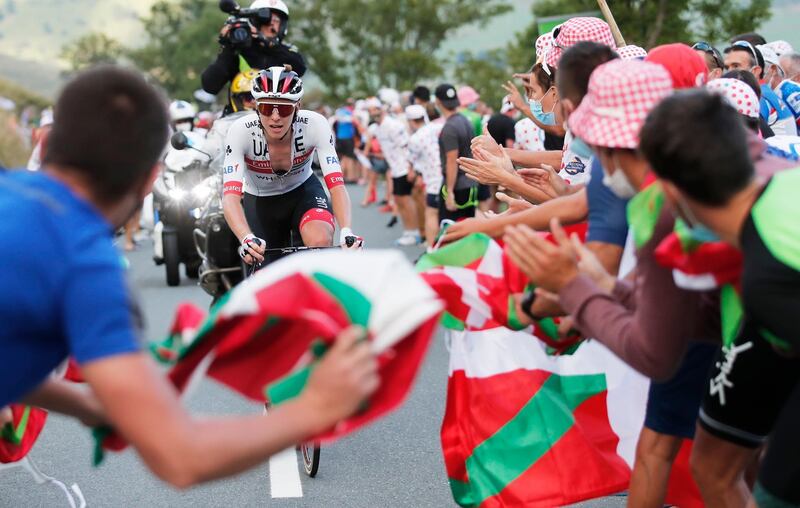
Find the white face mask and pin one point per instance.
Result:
(618, 182)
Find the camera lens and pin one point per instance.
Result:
(240, 35)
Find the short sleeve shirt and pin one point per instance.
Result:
(393, 137)
(457, 135)
(423, 153)
(62, 284)
(574, 169)
(528, 136)
(608, 222)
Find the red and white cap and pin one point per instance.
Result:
(781, 47)
(620, 95)
(738, 94)
(575, 30)
(543, 44)
(631, 52)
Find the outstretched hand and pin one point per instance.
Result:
(546, 179)
(548, 266)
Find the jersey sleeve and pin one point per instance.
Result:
(326, 151)
(233, 164)
(100, 316)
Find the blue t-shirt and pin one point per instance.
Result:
(344, 124)
(62, 284)
(608, 220)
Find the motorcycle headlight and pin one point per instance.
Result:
(201, 191)
(177, 194)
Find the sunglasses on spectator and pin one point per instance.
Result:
(267, 108)
(749, 47)
(711, 50)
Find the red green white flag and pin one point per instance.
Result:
(264, 338)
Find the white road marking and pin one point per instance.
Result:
(284, 475)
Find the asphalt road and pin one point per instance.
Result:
(396, 462)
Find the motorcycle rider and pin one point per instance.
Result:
(269, 189)
(181, 115)
(240, 103)
(268, 49)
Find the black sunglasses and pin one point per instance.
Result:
(711, 50)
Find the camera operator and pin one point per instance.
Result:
(263, 49)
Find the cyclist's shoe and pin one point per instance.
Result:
(408, 240)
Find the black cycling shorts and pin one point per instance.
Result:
(747, 389)
(345, 147)
(401, 186)
(779, 477)
(278, 219)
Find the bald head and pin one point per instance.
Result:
(790, 63)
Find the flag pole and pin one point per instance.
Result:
(611, 22)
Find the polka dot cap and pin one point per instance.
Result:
(631, 52)
(738, 94)
(575, 30)
(621, 93)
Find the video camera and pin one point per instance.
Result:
(241, 22)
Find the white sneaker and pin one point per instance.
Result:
(408, 240)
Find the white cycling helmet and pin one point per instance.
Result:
(277, 83)
(181, 111)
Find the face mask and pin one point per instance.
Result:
(539, 114)
(618, 183)
(581, 149)
(697, 230)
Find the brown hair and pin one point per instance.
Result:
(112, 127)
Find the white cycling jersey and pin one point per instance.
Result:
(247, 167)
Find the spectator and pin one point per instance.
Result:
(501, 125)
(460, 193)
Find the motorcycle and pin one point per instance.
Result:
(179, 196)
(217, 246)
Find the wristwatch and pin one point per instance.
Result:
(527, 303)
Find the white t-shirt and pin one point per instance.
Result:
(393, 137)
(574, 169)
(528, 136)
(423, 153)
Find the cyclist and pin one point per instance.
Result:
(269, 191)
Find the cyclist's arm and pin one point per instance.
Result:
(233, 179)
(331, 171)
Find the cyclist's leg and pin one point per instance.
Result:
(312, 215)
(269, 218)
(778, 480)
(748, 386)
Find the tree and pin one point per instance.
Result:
(91, 49)
(356, 46)
(486, 72)
(181, 42)
(649, 23)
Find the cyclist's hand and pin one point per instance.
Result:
(346, 375)
(350, 241)
(252, 249)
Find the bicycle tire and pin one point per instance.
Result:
(310, 452)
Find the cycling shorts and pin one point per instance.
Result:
(278, 219)
(748, 387)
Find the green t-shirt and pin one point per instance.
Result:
(475, 119)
